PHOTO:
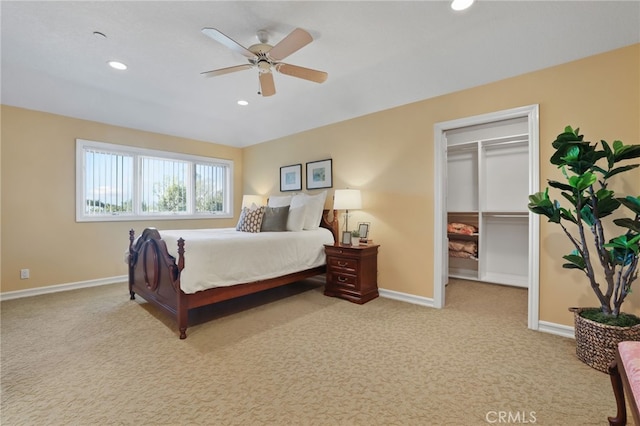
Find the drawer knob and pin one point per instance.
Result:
(342, 263)
(342, 279)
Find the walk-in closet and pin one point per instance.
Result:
(485, 168)
(487, 190)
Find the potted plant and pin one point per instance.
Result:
(610, 264)
(355, 238)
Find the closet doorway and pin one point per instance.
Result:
(485, 168)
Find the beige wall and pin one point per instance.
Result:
(389, 155)
(39, 231)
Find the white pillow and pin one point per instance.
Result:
(314, 204)
(297, 210)
(279, 200)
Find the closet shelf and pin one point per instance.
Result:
(472, 237)
(475, 259)
(505, 213)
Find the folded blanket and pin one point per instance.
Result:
(461, 228)
(466, 246)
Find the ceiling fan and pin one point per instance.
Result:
(266, 58)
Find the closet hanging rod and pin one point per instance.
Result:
(520, 215)
(511, 142)
(505, 138)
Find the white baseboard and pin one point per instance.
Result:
(404, 297)
(557, 329)
(61, 287)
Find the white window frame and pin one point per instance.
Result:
(83, 145)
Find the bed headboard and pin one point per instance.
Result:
(331, 223)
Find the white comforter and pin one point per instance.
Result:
(224, 256)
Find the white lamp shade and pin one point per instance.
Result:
(248, 200)
(347, 199)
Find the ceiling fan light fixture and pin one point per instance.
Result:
(117, 65)
(264, 66)
(461, 4)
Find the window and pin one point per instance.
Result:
(117, 182)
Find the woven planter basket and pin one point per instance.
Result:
(596, 343)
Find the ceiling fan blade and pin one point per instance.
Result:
(302, 72)
(227, 41)
(297, 39)
(227, 70)
(267, 86)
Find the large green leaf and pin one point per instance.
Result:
(539, 203)
(626, 241)
(632, 203)
(575, 261)
(582, 181)
(569, 135)
(605, 203)
(624, 248)
(587, 215)
(633, 225)
(607, 149)
(572, 153)
(617, 170)
(560, 185)
(625, 152)
(568, 215)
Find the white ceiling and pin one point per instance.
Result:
(378, 55)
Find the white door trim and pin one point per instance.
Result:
(531, 112)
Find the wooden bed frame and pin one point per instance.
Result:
(155, 275)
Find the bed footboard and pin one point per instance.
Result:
(155, 275)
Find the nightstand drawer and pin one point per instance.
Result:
(342, 280)
(342, 264)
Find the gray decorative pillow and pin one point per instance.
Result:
(250, 220)
(241, 218)
(275, 219)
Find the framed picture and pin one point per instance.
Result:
(319, 174)
(346, 238)
(363, 229)
(291, 178)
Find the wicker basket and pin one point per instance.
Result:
(596, 343)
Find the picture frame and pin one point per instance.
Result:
(291, 178)
(346, 238)
(363, 229)
(320, 174)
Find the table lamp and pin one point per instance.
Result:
(347, 199)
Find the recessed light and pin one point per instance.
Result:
(117, 65)
(243, 103)
(461, 4)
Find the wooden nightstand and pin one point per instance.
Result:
(352, 272)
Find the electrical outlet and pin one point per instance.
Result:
(24, 274)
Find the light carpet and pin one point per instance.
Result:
(292, 356)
